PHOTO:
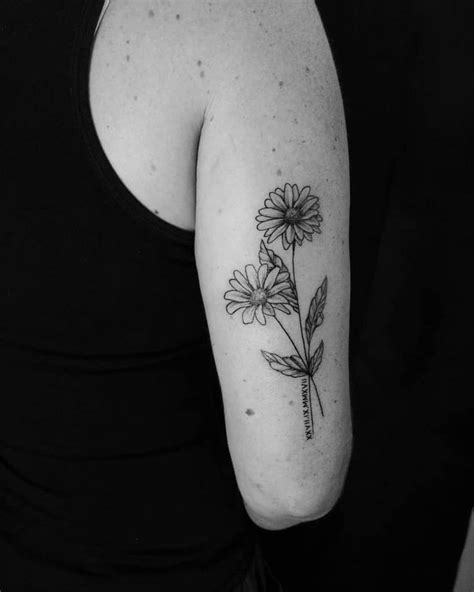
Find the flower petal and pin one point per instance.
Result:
(296, 194)
(277, 299)
(249, 314)
(271, 212)
(276, 233)
(281, 307)
(251, 273)
(233, 306)
(262, 275)
(302, 196)
(278, 288)
(312, 203)
(268, 309)
(236, 296)
(242, 280)
(288, 195)
(265, 224)
(270, 279)
(238, 286)
(299, 232)
(260, 316)
(305, 226)
(290, 234)
(276, 201)
(279, 191)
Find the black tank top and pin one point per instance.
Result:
(114, 468)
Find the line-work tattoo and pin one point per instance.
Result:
(293, 216)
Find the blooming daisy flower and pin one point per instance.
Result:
(291, 214)
(258, 293)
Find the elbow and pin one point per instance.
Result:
(317, 499)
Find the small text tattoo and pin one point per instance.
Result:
(264, 292)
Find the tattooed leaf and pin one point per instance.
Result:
(270, 258)
(315, 315)
(316, 359)
(289, 365)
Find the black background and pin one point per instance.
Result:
(406, 74)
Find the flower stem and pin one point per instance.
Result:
(317, 394)
(299, 307)
(288, 335)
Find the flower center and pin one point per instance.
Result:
(292, 215)
(258, 296)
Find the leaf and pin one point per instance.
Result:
(315, 314)
(269, 257)
(316, 359)
(289, 365)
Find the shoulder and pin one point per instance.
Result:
(227, 34)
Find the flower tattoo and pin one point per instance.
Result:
(261, 293)
(291, 214)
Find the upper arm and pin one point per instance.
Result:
(275, 278)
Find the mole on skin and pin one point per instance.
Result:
(151, 14)
(250, 412)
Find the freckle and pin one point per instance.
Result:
(127, 57)
(279, 172)
(307, 70)
(199, 62)
(237, 77)
(273, 149)
(291, 403)
(135, 97)
(212, 118)
(244, 380)
(260, 24)
(156, 212)
(201, 73)
(274, 117)
(219, 211)
(153, 167)
(280, 84)
(343, 242)
(177, 17)
(127, 42)
(151, 13)
(108, 126)
(295, 121)
(250, 412)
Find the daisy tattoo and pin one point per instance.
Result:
(264, 292)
